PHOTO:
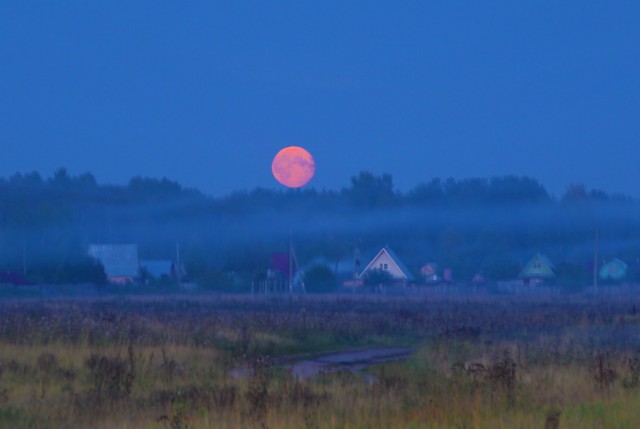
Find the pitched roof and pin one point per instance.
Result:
(538, 267)
(157, 268)
(396, 260)
(615, 269)
(119, 260)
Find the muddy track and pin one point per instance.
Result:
(307, 366)
(350, 360)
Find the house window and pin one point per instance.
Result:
(381, 266)
(385, 266)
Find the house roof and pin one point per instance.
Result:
(119, 260)
(429, 268)
(616, 261)
(538, 267)
(614, 269)
(396, 260)
(157, 267)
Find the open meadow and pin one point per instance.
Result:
(223, 362)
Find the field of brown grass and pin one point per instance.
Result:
(499, 362)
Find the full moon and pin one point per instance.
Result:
(293, 166)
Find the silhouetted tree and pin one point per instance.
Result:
(575, 193)
(378, 277)
(572, 275)
(319, 279)
(370, 191)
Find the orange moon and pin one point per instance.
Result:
(293, 167)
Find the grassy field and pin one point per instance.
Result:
(490, 362)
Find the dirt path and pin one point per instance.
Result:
(303, 367)
(351, 360)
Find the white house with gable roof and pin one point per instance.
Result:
(386, 260)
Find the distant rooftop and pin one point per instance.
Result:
(119, 260)
(158, 267)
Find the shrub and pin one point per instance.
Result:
(319, 278)
(378, 277)
(111, 377)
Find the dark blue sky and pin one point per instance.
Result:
(206, 93)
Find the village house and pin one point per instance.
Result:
(614, 270)
(429, 273)
(538, 271)
(387, 261)
(159, 269)
(120, 261)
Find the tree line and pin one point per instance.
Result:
(489, 225)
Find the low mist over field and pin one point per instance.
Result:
(489, 225)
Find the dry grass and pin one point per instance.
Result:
(135, 368)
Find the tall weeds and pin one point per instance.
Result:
(167, 365)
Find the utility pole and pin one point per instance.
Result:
(595, 264)
(290, 264)
(178, 262)
(356, 259)
(293, 261)
(356, 264)
(24, 257)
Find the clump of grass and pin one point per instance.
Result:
(604, 373)
(503, 374)
(552, 420)
(257, 395)
(111, 377)
(634, 368)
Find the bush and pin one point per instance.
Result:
(111, 378)
(319, 279)
(219, 281)
(378, 277)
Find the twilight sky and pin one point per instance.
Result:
(206, 93)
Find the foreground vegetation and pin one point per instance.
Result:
(478, 363)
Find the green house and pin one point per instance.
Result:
(538, 270)
(614, 270)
